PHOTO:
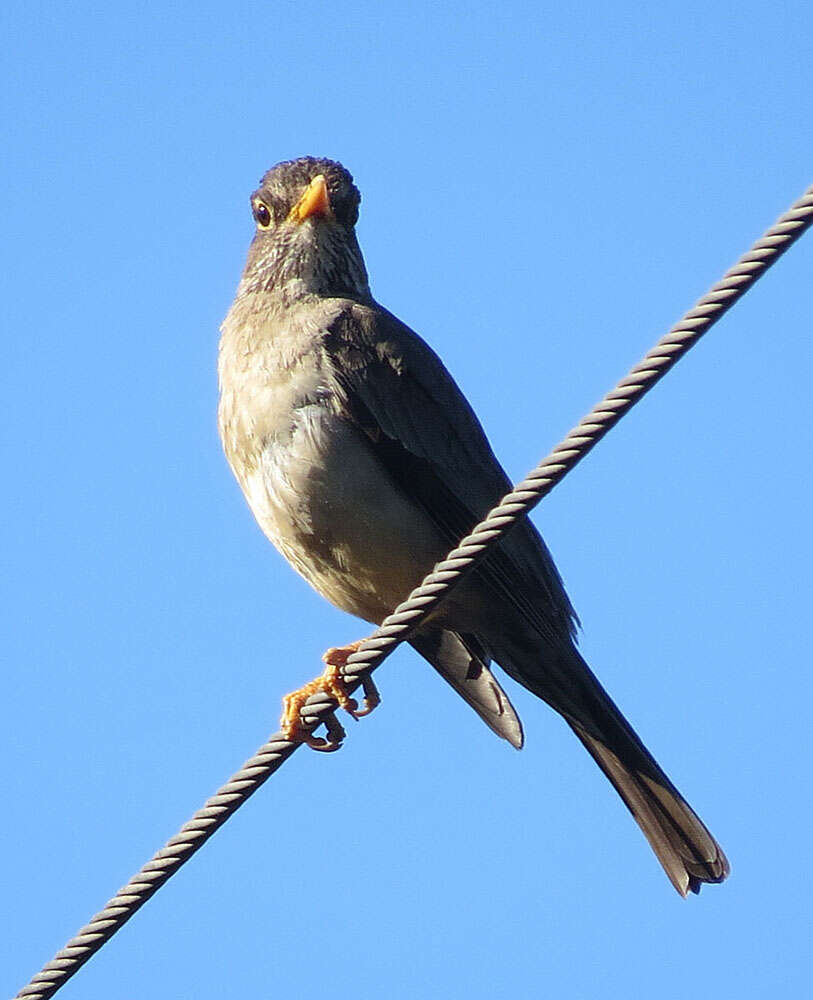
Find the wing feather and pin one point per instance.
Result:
(426, 435)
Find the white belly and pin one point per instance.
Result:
(322, 498)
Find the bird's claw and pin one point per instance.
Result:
(372, 699)
(332, 682)
(333, 739)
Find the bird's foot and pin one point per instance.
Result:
(336, 657)
(332, 682)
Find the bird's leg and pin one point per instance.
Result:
(332, 682)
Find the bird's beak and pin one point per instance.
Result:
(315, 201)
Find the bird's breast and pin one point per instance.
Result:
(316, 488)
(324, 500)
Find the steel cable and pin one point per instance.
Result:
(409, 615)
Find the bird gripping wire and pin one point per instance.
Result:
(409, 615)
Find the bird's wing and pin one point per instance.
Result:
(426, 435)
(459, 661)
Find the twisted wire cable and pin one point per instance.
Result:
(409, 615)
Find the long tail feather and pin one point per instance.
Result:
(688, 852)
(685, 848)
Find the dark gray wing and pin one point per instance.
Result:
(424, 432)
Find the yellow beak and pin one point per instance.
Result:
(315, 201)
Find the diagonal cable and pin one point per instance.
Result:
(409, 615)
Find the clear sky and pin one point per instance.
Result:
(546, 188)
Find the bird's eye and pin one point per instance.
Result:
(262, 214)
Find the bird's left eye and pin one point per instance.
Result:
(262, 214)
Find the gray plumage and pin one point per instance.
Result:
(364, 464)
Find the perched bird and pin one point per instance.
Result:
(364, 464)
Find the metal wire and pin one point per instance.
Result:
(408, 616)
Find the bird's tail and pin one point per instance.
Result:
(682, 843)
(688, 852)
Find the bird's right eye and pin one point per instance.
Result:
(262, 214)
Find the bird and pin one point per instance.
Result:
(364, 464)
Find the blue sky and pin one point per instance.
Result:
(546, 189)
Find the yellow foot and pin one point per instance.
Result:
(332, 682)
(337, 657)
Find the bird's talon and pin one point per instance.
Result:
(372, 699)
(335, 731)
(334, 739)
(321, 744)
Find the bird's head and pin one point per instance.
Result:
(305, 211)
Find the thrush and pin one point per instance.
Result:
(364, 464)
